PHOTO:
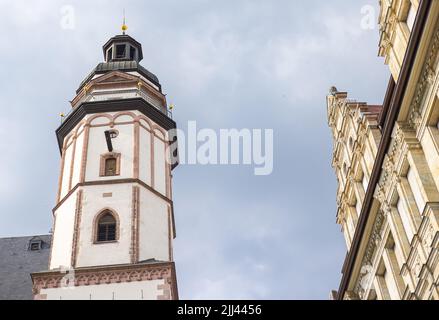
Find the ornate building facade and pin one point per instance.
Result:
(113, 222)
(386, 160)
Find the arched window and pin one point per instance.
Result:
(106, 228)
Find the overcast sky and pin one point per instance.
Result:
(226, 64)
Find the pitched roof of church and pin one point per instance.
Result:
(19, 257)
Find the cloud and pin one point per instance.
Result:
(9, 166)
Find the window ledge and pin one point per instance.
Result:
(105, 242)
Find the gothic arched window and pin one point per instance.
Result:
(106, 227)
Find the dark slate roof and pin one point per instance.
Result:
(125, 65)
(17, 262)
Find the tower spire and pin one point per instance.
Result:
(124, 26)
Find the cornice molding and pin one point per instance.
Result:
(425, 82)
(106, 275)
(85, 108)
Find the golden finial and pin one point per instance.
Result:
(124, 26)
(171, 106)
(62, 115)
(86, 87)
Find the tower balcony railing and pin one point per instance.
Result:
(120, 94)
(153, 102)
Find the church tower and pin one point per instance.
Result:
(113, 219)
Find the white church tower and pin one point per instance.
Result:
(113, 219)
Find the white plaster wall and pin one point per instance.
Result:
(123, 118)
(63, 233)
(153, 227)
(159, 166)
(139, 290)
(123, 144)
(145, 156)
(90, 254)
(78, 159)
(66, 171)
(153, 213)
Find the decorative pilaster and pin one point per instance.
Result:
(134, 251)
(77, 229)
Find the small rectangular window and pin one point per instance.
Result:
(110, 54)
(35, 246)
(120, 51)
(110, 166)
(132, 52)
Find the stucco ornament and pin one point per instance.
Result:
(367, 277)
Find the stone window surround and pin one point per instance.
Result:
(106, 156)
(96, 222)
